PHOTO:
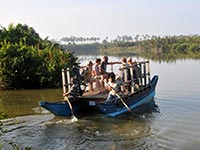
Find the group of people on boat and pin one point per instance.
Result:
(105, 81)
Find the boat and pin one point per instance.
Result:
(141, 91)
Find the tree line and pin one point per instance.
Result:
(28, 61)
(167, 48)
(170, 47)
(73, 40)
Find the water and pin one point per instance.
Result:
(174, 124)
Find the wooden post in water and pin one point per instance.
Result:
(64, 81)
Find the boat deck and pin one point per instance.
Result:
(94, 96)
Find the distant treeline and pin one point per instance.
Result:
(27, 61)
(73, 39)
(152, 47)
(160, 48)
(82, 49)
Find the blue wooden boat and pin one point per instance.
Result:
(95, 103)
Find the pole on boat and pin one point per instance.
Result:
(70, 106)
(65, 94)
(140, 74)
(123, 102)
(149, 75)
(132, 78)
(144, 75)
(68, 79)
(64, 81)
(120, 98)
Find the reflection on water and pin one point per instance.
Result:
(25, 102)
(172, 122)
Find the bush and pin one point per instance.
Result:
(25, 64)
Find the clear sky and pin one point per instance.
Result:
(103, 18)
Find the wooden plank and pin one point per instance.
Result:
(140, 74)
(132, 79)
(149, 75)
(144, 74)
(68, 79)
(94, 95)
(64, 81)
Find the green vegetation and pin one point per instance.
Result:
(152, 47)
(27, 61)
(73, 39)
(82, 49)
(157, 48)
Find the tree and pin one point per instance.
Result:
(27, 61)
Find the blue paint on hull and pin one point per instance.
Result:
(57, 108)
(141, 102)
(132, 102)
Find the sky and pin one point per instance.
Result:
(103, 18)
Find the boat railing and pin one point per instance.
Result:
(72, 82)
(136, 76)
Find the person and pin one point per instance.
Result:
(123, 66)
(99, 74)
(129, 61)
(105, 63)
(124, 74)
(88, 76)
(114, 88)
(135, 69)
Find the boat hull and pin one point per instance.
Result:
(112, 110)
(62, 108)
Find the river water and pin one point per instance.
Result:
(173, 123)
